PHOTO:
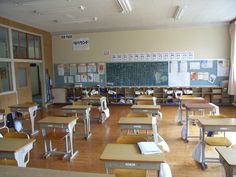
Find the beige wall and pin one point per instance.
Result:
(206, 42)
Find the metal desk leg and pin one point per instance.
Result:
(73, 154)
(203, 164)
(33, 113)
(180, 113)
(87, 132)
(187, 126)
(154, 131)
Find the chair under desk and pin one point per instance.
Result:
(185, 99)
(16, 148)
(128, 156)
(140, 123)
(9, 171)
(215, 125)
(85, 110)
(228, 160)
(192, 106)
(30, 108)
(66, 123)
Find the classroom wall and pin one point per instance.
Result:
(10, 99)
(205, 41)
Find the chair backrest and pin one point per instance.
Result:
(145, 102)
(130, 139)
(3, 131)
(2, 116)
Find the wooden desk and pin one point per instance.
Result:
(140, 123)
(146, 108)
(67, 123)
(217, 125)
(84, 109)
(129, 156)
(228, 160)
(9, 171)
(185, 99)
(31, 109)
(142, 98)
(191, 106)
(16, 148)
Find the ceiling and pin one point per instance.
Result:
(67, 16)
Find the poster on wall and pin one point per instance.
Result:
(81, 44)
(223, 68)
(91, 67)
(60, 70)
(101, 68)
(73, 69)
(82, 68)
(90, 77)
(83, 77)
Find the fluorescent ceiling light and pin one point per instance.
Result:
(125, 6)
(79, 20)
(58, 10)
(178, 13)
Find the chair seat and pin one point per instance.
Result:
(129, 173)
(8, 162)
(56, 135)
(217, 141)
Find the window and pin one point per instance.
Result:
(4, 43)
(34, 46)
(19, 44)
(5, 77)
(22, 77)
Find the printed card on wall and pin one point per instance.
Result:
(90, 77)
(101, 68)
(96, 77)
(81, 44)
(65, 79)
(73, 69)
(114, 58)
(82, 68)
(70, 79)
(91, 67)
(194, 65)
(83, 77)
(206, 64)
(60, 70)
(223, 68)
(77, 78)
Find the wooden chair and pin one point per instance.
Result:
(3, 131)
(15, 135)
(130, 139)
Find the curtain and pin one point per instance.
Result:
(232, 75)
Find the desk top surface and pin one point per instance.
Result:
(136, 121)
(14, 144)
(145, 98)
(230, 122)
(147, 107)
(191, 97)
(201, 105)
(23, 105)
(129, 153)
(229, 155)
(9, 171)
(76, 107)
(57, 120)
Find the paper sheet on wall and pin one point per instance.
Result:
(77, 78)
(71, 79)
(174, 66)
(223, 68)
(203, 76)
(206, 64)
(73, 69)
(60, 70)
(194, 76)
(96, 78)
(91, 67)
(194, 65)
(90, 77)
(101, 68)
(83, 77)
(82, 68)
(65, 79)
(179, 79)
(183, 66)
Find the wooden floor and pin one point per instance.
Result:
(179, 157)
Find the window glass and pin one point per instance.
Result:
(37, 48)
(22, 76)
(4, 43)
(31, 46)
(5, 77)
(19, 44)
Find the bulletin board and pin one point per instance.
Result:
(79, 74)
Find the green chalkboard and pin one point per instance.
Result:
(137, 74)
